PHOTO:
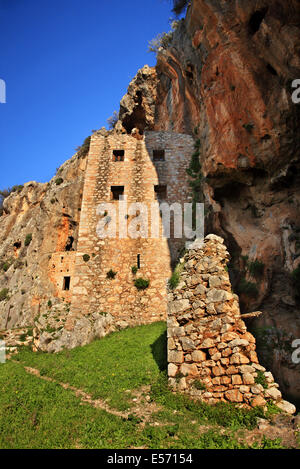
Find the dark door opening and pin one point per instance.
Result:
(66, 283)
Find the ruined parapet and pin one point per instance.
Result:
(211, 355)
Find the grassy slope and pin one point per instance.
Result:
(39, 414)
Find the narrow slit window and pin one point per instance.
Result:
(160, 192)
(138, 261)
(66, 283)
(158, 155)
(117, 192)
(118, 155)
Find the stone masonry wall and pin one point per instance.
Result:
(93, 292)
(211, 355)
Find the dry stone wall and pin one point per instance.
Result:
(211, 354)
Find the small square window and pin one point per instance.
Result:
(160, 192)
(117, 192)
(158, 155)
(118, 155)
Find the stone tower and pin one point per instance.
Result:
(135, 169)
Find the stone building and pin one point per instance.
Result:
(99, 276)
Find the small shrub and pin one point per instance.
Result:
(17, 188)
(248, 288)
(256, 268)
(52, 201)
(28, 239)
(112, 120)
(162, 40)
(4, 294)
(49, 303)
(111, 274)
(178, 376)
(179, 6)
(86, 257)
(261, 379)
(59, 181)
(249, 127)
(199, 385)
(134, 269)
(5, 266)
(83, 150)
(175, 277)
(296, 277)
(141, 283)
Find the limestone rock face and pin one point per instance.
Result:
(38, 221)
(226, 78)
(212, 348)
(137, 107)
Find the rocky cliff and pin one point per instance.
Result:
(38, 220)
(225, 77)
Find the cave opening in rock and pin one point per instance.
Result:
(272, 70)
(189, 72)
(137, 118)
(256, 20)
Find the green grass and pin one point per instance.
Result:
(35, 413)
(107, 367)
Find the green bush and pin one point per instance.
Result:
(248, 288)
(179, 6)
(134, 269)
(256, 268)
(296, 277)
(84, 148)
(162, 40)
(261, 379)
(4, 294)
(5, 266)
(199, 385)
(249, 127)
(111, 274)
(86, 257)
(28, 239)
(141, 283)
(59, 181)
(17, 188)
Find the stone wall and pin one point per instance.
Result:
(61, 267)
(93, 292)
(211, 354)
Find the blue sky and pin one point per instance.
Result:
(66, 64)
